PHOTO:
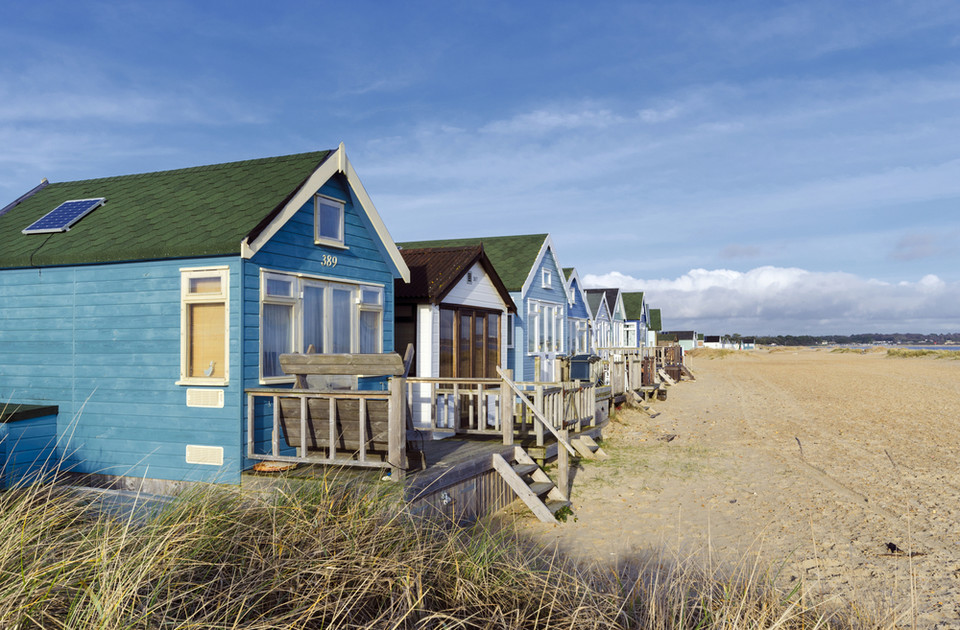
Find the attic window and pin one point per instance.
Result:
(61, 218)
(328, 221)
(546, 279)
(470, 278)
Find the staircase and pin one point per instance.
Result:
(531, 485)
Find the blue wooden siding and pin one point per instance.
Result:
(519, 360)
(102, 342)
(579, 308)
(27, 449)
(293, 249)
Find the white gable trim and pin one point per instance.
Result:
(618, 307)
(569, 283)
(531, 275)
(335, 163)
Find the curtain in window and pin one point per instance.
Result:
(369, 332)
(277, 336)
(206, 340)
(313, 318)
(342, 329)
(446, 342)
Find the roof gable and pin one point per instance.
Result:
(633, 305)
(435, 271)
(655, 323)
(597, 301)
(514, 257)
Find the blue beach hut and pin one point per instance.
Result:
(145, 307)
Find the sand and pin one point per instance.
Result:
(809, 460)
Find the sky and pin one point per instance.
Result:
(753, 167)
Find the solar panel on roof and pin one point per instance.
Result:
(61, 218)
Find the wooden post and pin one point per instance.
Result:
(275, 431)
(538, 403)
(251, 415)
(563, 467)
(303, 426)
(396, 431)
(506, 409)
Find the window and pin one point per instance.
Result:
(469, 343)
(299, 312)
(579, 339)
(546, 278)
(204, 326)
(328, 221)
(510, 333)
(544, 327)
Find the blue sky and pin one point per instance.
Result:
(755, 167)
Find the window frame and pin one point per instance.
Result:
(328, 284)
(318, 239)
(546, 279)
(186, 299)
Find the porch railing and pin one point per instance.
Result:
(355, 428)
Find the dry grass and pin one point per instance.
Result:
(339, 554)
(906, 353)
(712, 353)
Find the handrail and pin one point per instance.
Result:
(536, 412)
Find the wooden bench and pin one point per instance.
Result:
(361, 422)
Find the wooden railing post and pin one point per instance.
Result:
(538, 401)
(563, 467)
(396, 428)
(506, 408)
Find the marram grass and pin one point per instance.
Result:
(339, 554)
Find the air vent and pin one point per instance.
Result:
(206, 455)
(205, 398)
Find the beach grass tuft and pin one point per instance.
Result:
(908, 353)
(338, 553)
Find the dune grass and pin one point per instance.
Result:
(907, 353)
(339, 554)
(712, 353)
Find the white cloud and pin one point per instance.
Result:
(779, 300)
(547, 120)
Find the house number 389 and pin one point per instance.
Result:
(328, 261)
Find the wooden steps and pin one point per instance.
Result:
(588, 449)
(531, 485)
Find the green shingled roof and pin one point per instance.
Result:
(200, 211)
(512, 256)
(655, 323)
(633, 305)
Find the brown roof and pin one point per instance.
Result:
(434, 271)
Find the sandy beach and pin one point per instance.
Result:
(813, 461)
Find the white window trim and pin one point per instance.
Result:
(546, 279)
(511, 331)
(300, 279)
(322, 240)
(536, 322)
(187, 274)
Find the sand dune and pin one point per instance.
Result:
(808, 458)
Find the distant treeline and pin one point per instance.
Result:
(865, 339)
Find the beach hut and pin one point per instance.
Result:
(686, 338)
(528, 266)
(601, 322)
(454, 311)
(141, 307)
(579, 340)
(637, 319)
(712, 341)
(654, 327)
